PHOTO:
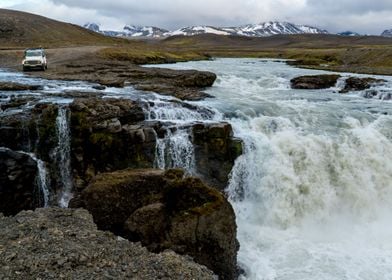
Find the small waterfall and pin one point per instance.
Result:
(176, 150)
(42, 179)
(63, 154)
(42, 176)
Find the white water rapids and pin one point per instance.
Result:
(313, 190)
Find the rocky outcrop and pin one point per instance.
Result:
(18, 188)
(112, 134)
(314, 82)
(359, 84)
(8, 86)
(183, 84)
(108, 135)
(163, 210)
(215, 152)
(57, 243)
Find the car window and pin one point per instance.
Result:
(33, 53)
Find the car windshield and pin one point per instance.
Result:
(33, 53)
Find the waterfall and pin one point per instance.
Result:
(42, 179)
(312, 191)
(63, 154)
(176, 150)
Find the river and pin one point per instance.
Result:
(312, 191)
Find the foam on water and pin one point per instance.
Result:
(313, 190)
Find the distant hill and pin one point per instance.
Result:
(212, 42)
(387, 33)
(28, 30)
(349, 33)
(250, 30)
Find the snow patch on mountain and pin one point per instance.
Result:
(251, 30)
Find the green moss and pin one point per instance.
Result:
(105, 139)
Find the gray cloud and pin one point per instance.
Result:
(365, 16)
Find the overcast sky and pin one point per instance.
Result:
(363, 16)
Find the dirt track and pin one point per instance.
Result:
(56, 57)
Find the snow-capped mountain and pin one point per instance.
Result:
(387, 33)
(195, 30)
(251, 30)
(129, 31)
(275, 28)
(92, 26)
(349, 33)
(144, 31)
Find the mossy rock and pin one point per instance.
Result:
(164, 210)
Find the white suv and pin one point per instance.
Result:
(34, 59)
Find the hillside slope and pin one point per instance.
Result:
(20, 29)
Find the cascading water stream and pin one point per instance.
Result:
(312, 191)
(41, 178)
(63, 155)
(175, 149)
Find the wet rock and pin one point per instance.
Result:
(8, 86)
(163, 210)
(314, 82)
(370, 93)
(77, 94)
(385, 95)
(182, 93)
(215, 152)
(55, 243)
(18, 188)
(359, 84)
(17, 102)
(99, 87)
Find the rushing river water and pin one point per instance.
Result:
(313, 190)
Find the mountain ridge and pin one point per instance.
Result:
(251, 30)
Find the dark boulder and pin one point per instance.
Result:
(358, 84)
(163, 210)
(18, 187)
(314, 82)
(215, 152)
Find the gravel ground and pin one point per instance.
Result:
(55, 243)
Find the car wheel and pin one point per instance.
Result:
(43, 68)
(24, 69)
